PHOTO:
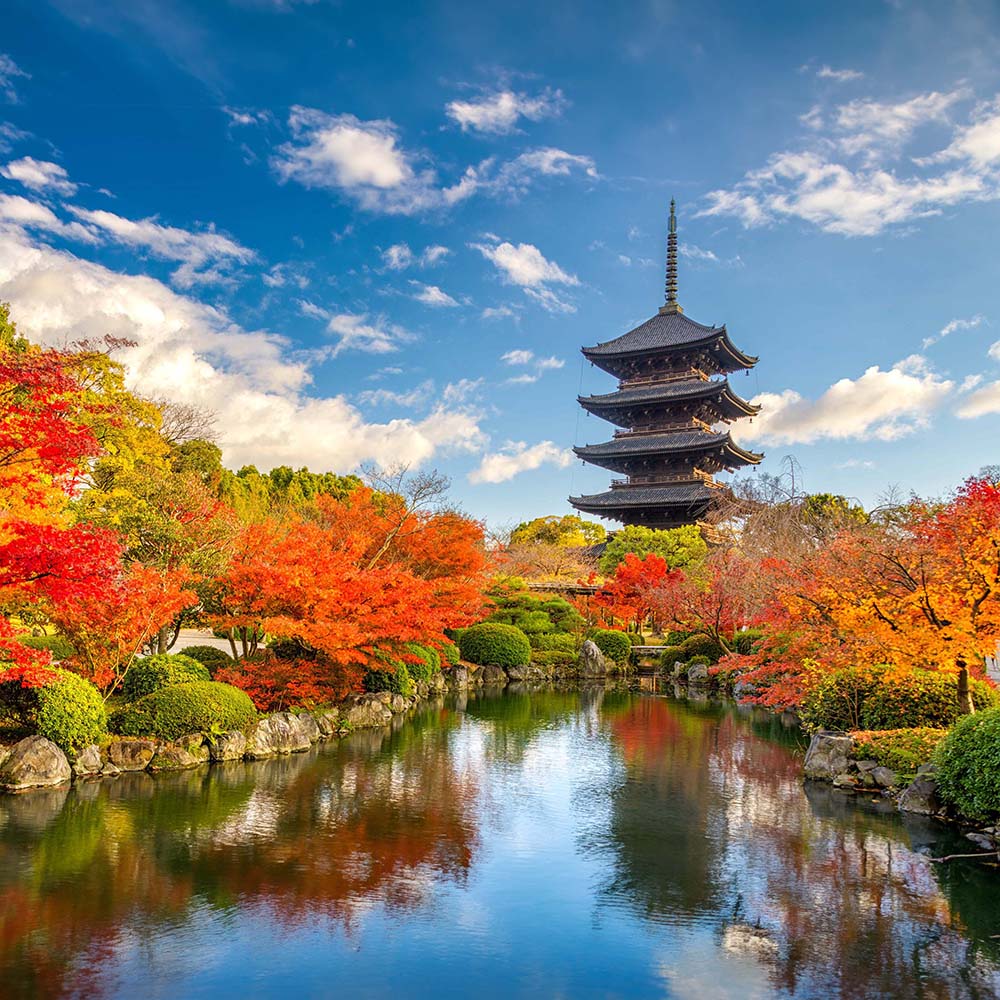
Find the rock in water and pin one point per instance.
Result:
(367, 712)
(34, 762)
(172, 757)
(228, 746)
(592, 661)
(698, 674)
(88, 762)
(827, 756)
(494, 675)
(920, 797)
(283, 732)
(131, 755)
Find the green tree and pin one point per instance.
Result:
(679, 546)
(569, 531)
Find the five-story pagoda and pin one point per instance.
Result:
(672, 408)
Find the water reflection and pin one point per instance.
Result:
(576, 843)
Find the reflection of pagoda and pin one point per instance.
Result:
(670, 407)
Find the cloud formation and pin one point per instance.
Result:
(431, 295)
(953, 326)
(517, 457)
(498, 112)
(525, 265)
(9, 72)
(880, 405)
(39, 175)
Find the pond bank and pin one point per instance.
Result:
(35, 762)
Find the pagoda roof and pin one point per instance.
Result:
(665, 443)
(669, 331)
(661, 495)
(669, 392)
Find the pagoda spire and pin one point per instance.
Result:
(671, 305)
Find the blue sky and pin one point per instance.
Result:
(382, 232)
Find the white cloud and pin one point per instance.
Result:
(417, 396)
(522, 379)
(518, 174)
(364, 160)
(204, 256)
(878, 405)
(953, 326)
(981, 403)
(498, 312)
(399, 256)
(246, 116)
(255, 381)
(462, 390)
(840, 75)
(517, 457)
(547, 364)
(624, 260)
(518, 357)
(9, 72)
(358, 332)
(498, 113)
(9, 135)
(524, 265)
(856, 463)
(691, 252)
(39, 175)
(431, 295)
(27, 214)
(837, 182)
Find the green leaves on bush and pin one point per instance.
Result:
(492, 643)
(746, 642)
(198, 706)
(59, 646)
(69, 711)
(561, 641)
(702, 645)
(536, 615)
(450, 653)
(612, 644)
(699, 660)
(904, 750)
(968, 761)
(866, 698)
(151, 673)
(394, 677)
(209, 656)
(672, 655)
(429, 664)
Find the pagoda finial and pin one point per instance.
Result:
(671, 288)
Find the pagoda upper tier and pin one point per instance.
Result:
(669, 344)
(660, 402)
(669, 454)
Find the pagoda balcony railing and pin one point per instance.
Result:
(690, 476)
(681, 375)
(660, 427)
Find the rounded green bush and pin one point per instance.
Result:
(746, 642)
(209, 656)
(69, 710)
(396, 678)
(904, 750)
(699, 660)
(495, 644)
(671, 655)
(429, 664)
(198, 706)
(561, 641)
(151, 673)
(555, 657)
(450, 653)
(59, 646)
(612, 644)
(702, 645)
(968, 762)
(923, 698)
(838, 700)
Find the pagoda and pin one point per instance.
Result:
(672, 406)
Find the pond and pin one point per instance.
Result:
(554, 844)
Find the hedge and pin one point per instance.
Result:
(553, 657)
(394, 677)
(564, 642)
(612, 644)
(59, 646)
(450, 653)
(968, 765)
(745, 642)
(210, 656)
(671, 655)
(495, 644)
(69, 711)
(198, 706)
(428, 665)
(702, 645)
(875, 697)
(904, 750)
(699, 660)
(151, 673)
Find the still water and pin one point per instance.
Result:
(585, 844)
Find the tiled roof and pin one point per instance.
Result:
(667, 392)
(645, 443)
(648, 496)
(662, 330)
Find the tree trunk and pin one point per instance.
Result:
(162, 639)
(965, 705)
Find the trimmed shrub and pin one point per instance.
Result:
(561, 641)
(535, 615)
(151, 673)
(430, 662)
(702, 645)
(495, 644)
(745, 642)
(59, 646)
(703, 661)
(450, 653)
(554, 657)
(612, 644)
(904, 750)
(968, 761)
(198, 706)
(635, 639)
(922, 698)
(69, 710)
(394, 677)
(209, 656)
(838, 700)
(671, 655)
(675, 638)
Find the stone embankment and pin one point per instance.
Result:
(831, 758)
(35, 762)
